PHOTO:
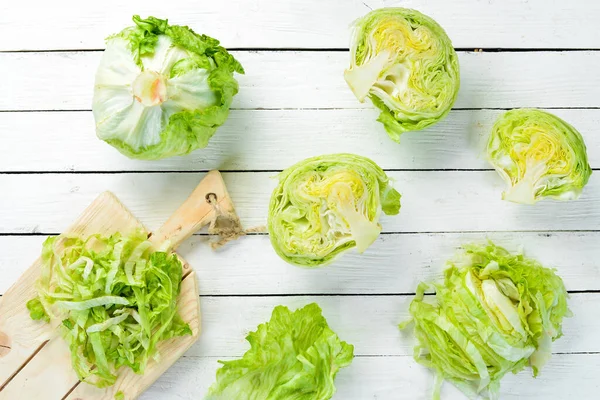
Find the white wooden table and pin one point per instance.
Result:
(293, 103)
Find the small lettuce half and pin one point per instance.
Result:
(539, 156)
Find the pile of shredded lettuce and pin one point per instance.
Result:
(115, 299)
(293, 356)
(495, 313)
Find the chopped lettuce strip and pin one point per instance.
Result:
(116, 298)
(539, 156)
(328, 204)
(495, 313)
(294, 356)
(162, 90)
(405, 63)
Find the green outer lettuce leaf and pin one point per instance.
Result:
(327, 204)
(116, 298)
(539, 156)
(405, 63)
(495, 313)
(294, 356)
(199, 88)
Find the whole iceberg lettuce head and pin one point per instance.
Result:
(328, 204)
(405, 63)
(495, 312)
(538, 155)
(162, 90)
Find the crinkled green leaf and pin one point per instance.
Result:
(328, 204)
(294, 356)
(116, 299)
(538, 155)
(162, 90)
(495, 313)
(405, 63)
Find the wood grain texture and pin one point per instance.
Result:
(315, 80)
(566, 376)
(306, 24)
(433, 201)
(394, 263)
(268, 140)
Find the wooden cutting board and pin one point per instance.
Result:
(35, 361)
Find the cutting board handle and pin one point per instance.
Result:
(209, 201)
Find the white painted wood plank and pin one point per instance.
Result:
(268, 140)
(370, 323)
(566, 376)
(433, 201)
(315, 80)
(306, 24)
(394, 264)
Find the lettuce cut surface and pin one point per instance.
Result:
(326, 205)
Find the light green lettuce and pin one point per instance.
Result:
(538, 155)
(294, 356)
(328, 204)
(114, 299)
(405, 63)
(162, 90)
(495, 313)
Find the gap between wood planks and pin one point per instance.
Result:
(313, 109)
(539, 232)
(235, 171)
(339, 49)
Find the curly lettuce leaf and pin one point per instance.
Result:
(495, 313)
(162, 90)
(293, 356)
(405, 63)
(328, 204)
(115, 298)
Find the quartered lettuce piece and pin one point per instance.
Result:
(495, 312)
(405, 63)
(328, 204)
(115, 299)
(162, 90)
(538, 155)
(293, 356)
